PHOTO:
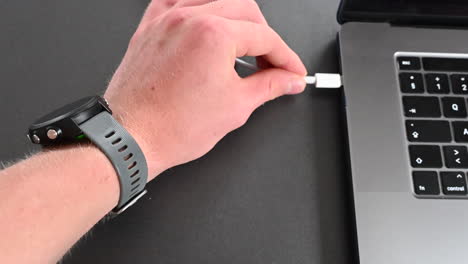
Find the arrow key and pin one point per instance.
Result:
(456, 156)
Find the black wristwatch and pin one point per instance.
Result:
(91, 119)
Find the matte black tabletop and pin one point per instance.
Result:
(270, 192)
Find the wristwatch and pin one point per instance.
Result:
(91, 119)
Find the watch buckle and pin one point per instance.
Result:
(117, 211)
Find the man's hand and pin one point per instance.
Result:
(176, 89)
(177, 93)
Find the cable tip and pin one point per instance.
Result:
(310, 79)
(328, 80)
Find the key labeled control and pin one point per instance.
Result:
(428, 131)
(425, 156)
(426, 183)
(411, 82)
(453, 183)
(456, 156)
(437, 83)
(421, 106)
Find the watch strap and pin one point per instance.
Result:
(123, 152)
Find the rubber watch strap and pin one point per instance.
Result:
(123, 152)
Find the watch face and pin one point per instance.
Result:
(67, 111)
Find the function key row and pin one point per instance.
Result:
(436, 83)
(438, 64)
(427, 183)
(429, 156)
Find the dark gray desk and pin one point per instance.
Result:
(271, 192)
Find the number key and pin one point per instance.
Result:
(437, 83)
(411, 82)
(459, 83)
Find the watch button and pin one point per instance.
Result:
(53, 133)
(36, 139)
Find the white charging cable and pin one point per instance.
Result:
(320, 80)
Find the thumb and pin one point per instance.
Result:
(269, 84)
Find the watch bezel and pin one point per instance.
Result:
(68, 123)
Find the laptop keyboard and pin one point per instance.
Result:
(434, 98)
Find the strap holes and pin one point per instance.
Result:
(135, 173)
(128, 156)
(132, 165)
(134, 188)
(123, 148)
(135, 181)
(110, 134)
(116, 141)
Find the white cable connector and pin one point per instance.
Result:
(320, 80)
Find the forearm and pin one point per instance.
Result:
(176, 113)
(50, 200)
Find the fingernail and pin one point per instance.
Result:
(296, 85)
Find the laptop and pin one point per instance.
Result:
(405, 79)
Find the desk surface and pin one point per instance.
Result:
(270, 192)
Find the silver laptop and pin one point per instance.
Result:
(405, 75)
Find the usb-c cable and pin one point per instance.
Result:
(320, 80)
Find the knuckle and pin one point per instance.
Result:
(269, 90)
(242, 112)
(208, 28)
(175, 18)
(240, 120)
(134, 39)
(252, 4)
(171, 2)
(137, 35)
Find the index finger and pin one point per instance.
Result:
(252, 39)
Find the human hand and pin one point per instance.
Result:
(177, 91)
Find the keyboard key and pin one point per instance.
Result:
(445, 64)
(419, 106)
(459, 83)
(454, 107)
(426, 182)
(425, 156)
(437, 83)
(453, 183)
(409, 63)
(460, 131)
(456, 156)
(411, 82)
(428, 131)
